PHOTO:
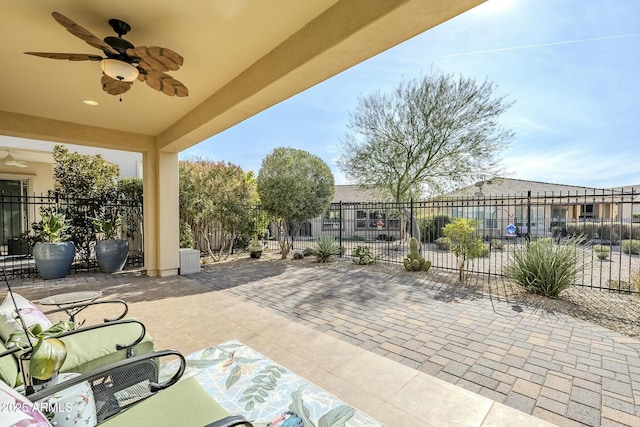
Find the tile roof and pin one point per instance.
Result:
(503, 186)
(355, 193)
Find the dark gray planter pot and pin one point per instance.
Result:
(54, 259)
(112, 254)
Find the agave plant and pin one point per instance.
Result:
(49, 352)
(325, 248)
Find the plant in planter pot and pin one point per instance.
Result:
(111, 251)
(53, 253)
(255, 248)
(47, 355)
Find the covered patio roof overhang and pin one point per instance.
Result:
(240, 58)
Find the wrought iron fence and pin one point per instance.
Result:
(608, 220)
(18, 213)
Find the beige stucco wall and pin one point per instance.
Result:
(39, 176)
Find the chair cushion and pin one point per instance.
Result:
(18, 411)
(91, 349)
(8, 368)
(30, 313)
(183, 404)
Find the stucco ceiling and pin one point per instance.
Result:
(240, 56)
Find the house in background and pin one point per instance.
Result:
(500, 201)
(533, 207)
(360, 213)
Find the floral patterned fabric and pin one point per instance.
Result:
(17, 411)
(30, 313)
(72, 407)
(245, 382)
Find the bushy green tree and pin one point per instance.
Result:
(465, 244)
(86, 187)
(83, 176)
(429, 135)
(217, 195)
(294, 186)
(130, 196)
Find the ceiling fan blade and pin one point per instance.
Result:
(157, 58)
(9, 160)
(164, 83)
(82, 33)
(113, 86)
(67, 56)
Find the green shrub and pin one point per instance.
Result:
(307, 252)
(186, 235)
(443, 244)
(431, 227)
(363, 255)
(610, 232)
(385, 237)
(545, 268)
(298, 255)
(619, 285)
(326, 247)
(602, 252)
(607, 232)
(631, 247)
(465, 243)
(635, 279)
(497, 244)
(486, 250)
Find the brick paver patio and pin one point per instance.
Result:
(564, 370)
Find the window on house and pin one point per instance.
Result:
(587, 211)
(331, 220)
(13, 214)
(374, 219)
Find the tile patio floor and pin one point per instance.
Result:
(393, 346)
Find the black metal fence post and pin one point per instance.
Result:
(528, 235)
(411, 217)
(340, 226)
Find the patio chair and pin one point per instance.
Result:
(88, 347)
(122, 394)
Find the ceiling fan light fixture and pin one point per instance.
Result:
(10, 161)
(119, 70)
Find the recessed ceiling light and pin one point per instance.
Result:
(89, 102)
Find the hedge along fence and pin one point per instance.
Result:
(610, 232)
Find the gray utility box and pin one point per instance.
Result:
(189, 261)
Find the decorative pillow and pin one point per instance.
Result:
(30, 313)
(18, 411)
(72, 407)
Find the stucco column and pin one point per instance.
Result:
(161, 214)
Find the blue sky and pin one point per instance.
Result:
(571, 66)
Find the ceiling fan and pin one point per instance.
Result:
(124, 62)
(9, 160)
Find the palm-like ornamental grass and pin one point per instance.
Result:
(544, 267)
